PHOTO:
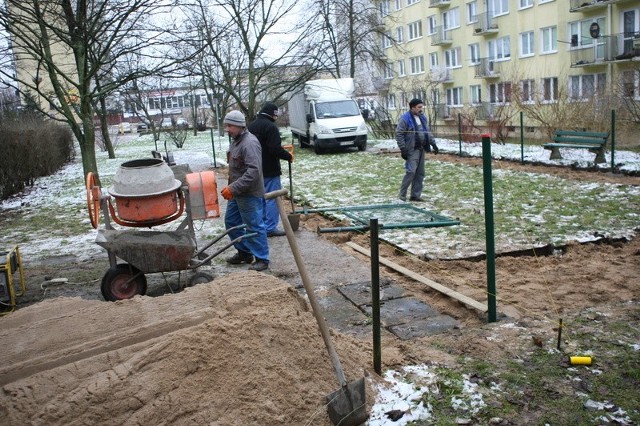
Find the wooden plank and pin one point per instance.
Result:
(434, 285)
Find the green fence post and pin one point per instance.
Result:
(375, 295)
(213, 145)
(521, 138)
(459, 135)
(489, 230)
(613, 139)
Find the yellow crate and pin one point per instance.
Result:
(12, 264)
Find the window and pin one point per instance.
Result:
(526, 44)
(631, 84)
(384, 8)
(451, 18)
(454, 96)
(528, 90)
(391, 101)
(398, 4)
(476, 94)
(498, 7)
(401, 70)
(472, 12)
(579, 31)
(500, 93)
(435, 96)
(415, 30)
(525, 4)
(388, 71)
(399, 35)
(499, 49)
(549, 40)
(417, 64)
(544, 1)
(452, 58)
(550, 89)
(432, 24)
(474, 53)
(410, 2)
(386, 40)
(586, 86)
(433, 60)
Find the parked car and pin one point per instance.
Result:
(181, 123)
(142, 127)
(166, 123)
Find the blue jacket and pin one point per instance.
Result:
(406, 133)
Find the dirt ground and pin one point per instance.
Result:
(245, 349)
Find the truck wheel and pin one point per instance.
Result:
(316, 147)
(362, 147)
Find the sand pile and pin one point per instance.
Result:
(242, 350)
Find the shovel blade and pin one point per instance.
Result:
(294, 220)
(347, 406)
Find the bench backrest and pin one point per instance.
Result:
(570, 136)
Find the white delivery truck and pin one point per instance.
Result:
(326, 116)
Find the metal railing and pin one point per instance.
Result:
(441, 36)
(485, 23)
(439, 3)
(617, 47)
(487, 68)
(576, 5)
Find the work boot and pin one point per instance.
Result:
(416, 199)
(259, 265)
(402, 197)
(240, 257)
(275, 233)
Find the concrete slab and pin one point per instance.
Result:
(360, 293)
(433, 325)
(402, 311)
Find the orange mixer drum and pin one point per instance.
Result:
(203, 195)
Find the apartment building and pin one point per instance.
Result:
(480, 57)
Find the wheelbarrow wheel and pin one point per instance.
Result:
(123, 281)
(200, 278)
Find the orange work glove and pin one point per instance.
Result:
(226, 193)
(289, 149)
(291, 160)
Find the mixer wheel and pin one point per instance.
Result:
(93, 199)
(200, 278)
(123, 281)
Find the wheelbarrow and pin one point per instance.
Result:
(147, 194)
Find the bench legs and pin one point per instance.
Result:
(600, 156)
(555, 153)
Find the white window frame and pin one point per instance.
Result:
(525, 4)
(475, 94)
(500, 93)
(433, 61)
(398, 4)
(410, 2)
(549, 40)
(451, 18)
(528, 90)
(401, 69)
(498, 7)
(577, 86)
(415, 30)
(545, 1)
(391, 101)
(385, 9)
(386, 40)
(527, 44)
(474, 53)
(500, 49)
(432, 24)
(452, 58)
(454, 97)
(472, 12)
(631, 84)
(400, 35)
(550, 83)
(388, 71)
(416, 65)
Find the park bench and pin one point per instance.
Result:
(593, 141)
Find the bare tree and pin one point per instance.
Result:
(62, 47)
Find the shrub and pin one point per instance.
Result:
(32, 147)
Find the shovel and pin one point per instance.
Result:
(294, 218)
(346, 406)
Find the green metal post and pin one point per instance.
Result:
(459, 135)
(213, 145)
(613, 139)
(489, 230)
(375, 295)
(521, 138)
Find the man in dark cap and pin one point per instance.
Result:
(265, 129)
(414, 137)
(245, 194)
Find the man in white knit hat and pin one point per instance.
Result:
(245, 194)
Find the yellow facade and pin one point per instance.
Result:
(482, 57)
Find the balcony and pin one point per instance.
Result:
(623, 47)
(441, 36)
(439, 3)
(488, 68)
(485, 24)
(443, 112)
(485, 111)
(442, 75)
(582, 5)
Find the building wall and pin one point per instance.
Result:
(554, 69)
